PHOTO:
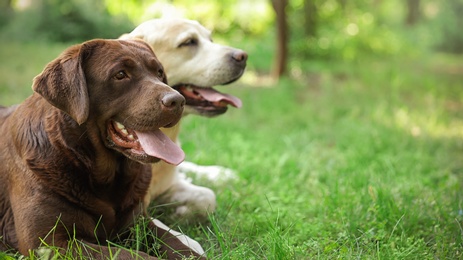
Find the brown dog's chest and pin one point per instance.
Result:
(120, 201)
(100, 200)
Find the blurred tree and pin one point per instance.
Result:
(413, 12)
(5, 5)
(305, 29)
(6, 11)
(448, 25)
(310, 18)
(64, 21)
(223, 17)
(343, 4)
(279, 65)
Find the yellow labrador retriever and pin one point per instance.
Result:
(193, 64)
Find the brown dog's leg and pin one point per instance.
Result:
(170, 247)
(89, 250)
(94, 251)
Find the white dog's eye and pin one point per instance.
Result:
(189, 42)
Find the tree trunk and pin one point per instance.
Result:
(413, 14)
(310, 18)
(6, 12)
(5, 4)
(343, 4)
(279, 65)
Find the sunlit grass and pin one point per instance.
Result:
(344, 160)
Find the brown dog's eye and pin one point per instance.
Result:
(120, 75)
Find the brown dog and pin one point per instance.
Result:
(75, 155)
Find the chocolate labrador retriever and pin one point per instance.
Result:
(76, 154)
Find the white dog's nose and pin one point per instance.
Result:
(240, 56)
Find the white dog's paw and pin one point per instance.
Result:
(213, 173)
(186, 240)
(189, 201)
(193, 200)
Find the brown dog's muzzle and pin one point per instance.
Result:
(172, 106)
(173, 101)
(148, 143)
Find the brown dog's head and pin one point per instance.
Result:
(120, 87)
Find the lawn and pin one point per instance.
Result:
(350, 160)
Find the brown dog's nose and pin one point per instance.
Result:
(173, 100)
(240, 56)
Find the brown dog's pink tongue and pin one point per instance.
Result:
(213, 95)
(159, 145)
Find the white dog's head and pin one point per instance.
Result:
(193, 63)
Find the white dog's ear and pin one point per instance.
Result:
(131, 36)
(125, 36)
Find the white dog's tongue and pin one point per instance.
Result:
(159, 145)
(213, 95)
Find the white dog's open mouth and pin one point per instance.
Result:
(141, 144)
(207, 98)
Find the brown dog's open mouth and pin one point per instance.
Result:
(207, 98)
(152, 143)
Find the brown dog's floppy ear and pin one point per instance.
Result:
(62, 83)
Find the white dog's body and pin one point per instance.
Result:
(193, 64)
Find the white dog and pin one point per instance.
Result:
(193, 64)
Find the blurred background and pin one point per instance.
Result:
(350, 140)
(293, 32)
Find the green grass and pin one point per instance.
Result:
(20, 63)
(359, 160)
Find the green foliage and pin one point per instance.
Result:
(16, 73)
(65, 21)
(448, 24)
(344, 30)
(351, 29)
(348, 31)
(228, 17)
